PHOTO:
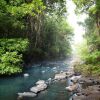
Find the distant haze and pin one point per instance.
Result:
(73, 19)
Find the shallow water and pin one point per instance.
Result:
(9, 87)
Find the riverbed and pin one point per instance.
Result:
(10, 86)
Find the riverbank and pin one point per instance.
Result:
(89, 86)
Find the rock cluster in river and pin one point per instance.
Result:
(90, 89)
(84, 88)
(40, 86)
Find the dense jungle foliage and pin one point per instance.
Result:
(32, 29)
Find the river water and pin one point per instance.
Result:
(10, 86)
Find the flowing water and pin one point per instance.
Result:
(10, 86)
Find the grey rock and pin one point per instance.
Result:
(73, 87)
(40, 82)
(26, 75)
(60, 76)
(27, 94)
(75, 79)
(38, 88)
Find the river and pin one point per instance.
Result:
(10, 86)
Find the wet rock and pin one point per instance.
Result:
(38, 88)
(42, 86)
(49, 80)
(40, 82)
(43, 71)
(94, 88)
(90, 93)
(60, 76)
(35, 89)
(81, 97)
(73, 87)
(70, 73)
(26, 75)
(86, 81)
(27, 94)
(61, 71)
(92, 96)
(54, 68)
(97, 81)
(75, 79)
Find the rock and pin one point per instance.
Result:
(94, 96)
(86, 81)
(88, 95)
(38, 88)
(61, 71)
(54, 68)
(49, 80)
(90, 90)
(97, 81)
(75, 78)
(40, 82)
(81, 97)
(73, 87)
(34, 89)
(43, 71)
(95, 88)
(42, 87)
(60, 76)
(89, 81)
(26, 75)
(70, 73)
(19, 98)
(27, 94)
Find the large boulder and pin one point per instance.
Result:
(27, 94)
(38, 88)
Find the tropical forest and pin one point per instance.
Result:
(49, 49)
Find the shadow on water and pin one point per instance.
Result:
(10, 86)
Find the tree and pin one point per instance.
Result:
(17, 12)
(91, 7)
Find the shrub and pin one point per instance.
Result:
(88, 69)
(11, 55)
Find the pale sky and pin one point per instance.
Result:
(73, 19)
